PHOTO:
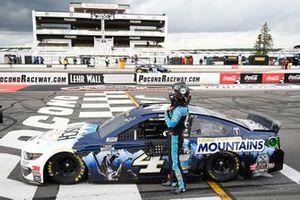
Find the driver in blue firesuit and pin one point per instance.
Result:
(175, 117)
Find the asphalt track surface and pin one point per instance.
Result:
(19, 109)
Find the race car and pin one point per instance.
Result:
(132, 147)
(151, 68)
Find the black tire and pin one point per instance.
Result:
(139, 70)
(66, 168)
(223, 166)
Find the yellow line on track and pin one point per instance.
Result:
(218, 190)
(132, 99)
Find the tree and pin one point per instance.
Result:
(264, 41)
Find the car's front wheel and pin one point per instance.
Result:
(223, 166)
(66, 168)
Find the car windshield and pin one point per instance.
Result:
(114, 123)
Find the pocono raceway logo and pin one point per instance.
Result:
(171, 78)
(166, 78)
(34, 78)
(235, 144)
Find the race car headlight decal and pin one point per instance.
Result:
(31, 156)
(274, 142)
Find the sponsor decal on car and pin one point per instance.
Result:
(111, 139)
(69, 133)
(262, 165)
(235, 144)
(148, 164)
(36, 173)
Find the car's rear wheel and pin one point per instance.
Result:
(139, 70)
(66, 168)
(223, 166)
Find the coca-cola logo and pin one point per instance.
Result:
(229, 78)
(273, 78)
(294, 77)
(251, 78)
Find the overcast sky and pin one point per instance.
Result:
(192, 23)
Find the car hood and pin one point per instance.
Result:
(72, 131)
(63, 138)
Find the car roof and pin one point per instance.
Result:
(145, 109)
(148, 109)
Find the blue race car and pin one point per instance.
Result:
(133, 147)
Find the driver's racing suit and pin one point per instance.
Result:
(175, 120)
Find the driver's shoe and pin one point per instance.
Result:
(178, 190)
(167, 183)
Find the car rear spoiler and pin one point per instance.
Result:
(267, 121)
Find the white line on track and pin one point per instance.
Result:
(100, 114)
(95, 105)
(120, 109)
(95, 99)
(201, 198)
(114, 92)
(94, 94)
(291, 173)
(117, 96)
(120, 101)
(86, 191)
(13, 189)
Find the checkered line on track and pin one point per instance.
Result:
(104, 104)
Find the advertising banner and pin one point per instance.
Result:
(34, 78)
(119, 78)
(85, 79)
(292, 78)
(230, 78)
(249, 78)
(98, 79)
(272, 77)
(171, 78)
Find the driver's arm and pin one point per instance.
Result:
(174, 119)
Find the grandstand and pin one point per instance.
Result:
(98, 30)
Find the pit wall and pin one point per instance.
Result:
(153, 79)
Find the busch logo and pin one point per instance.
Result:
(229, 78)
(294, 77)
(251, 78)
(273, 78)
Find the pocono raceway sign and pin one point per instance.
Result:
(34, 78)
(171, 78)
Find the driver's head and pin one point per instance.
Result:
(180, 94)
